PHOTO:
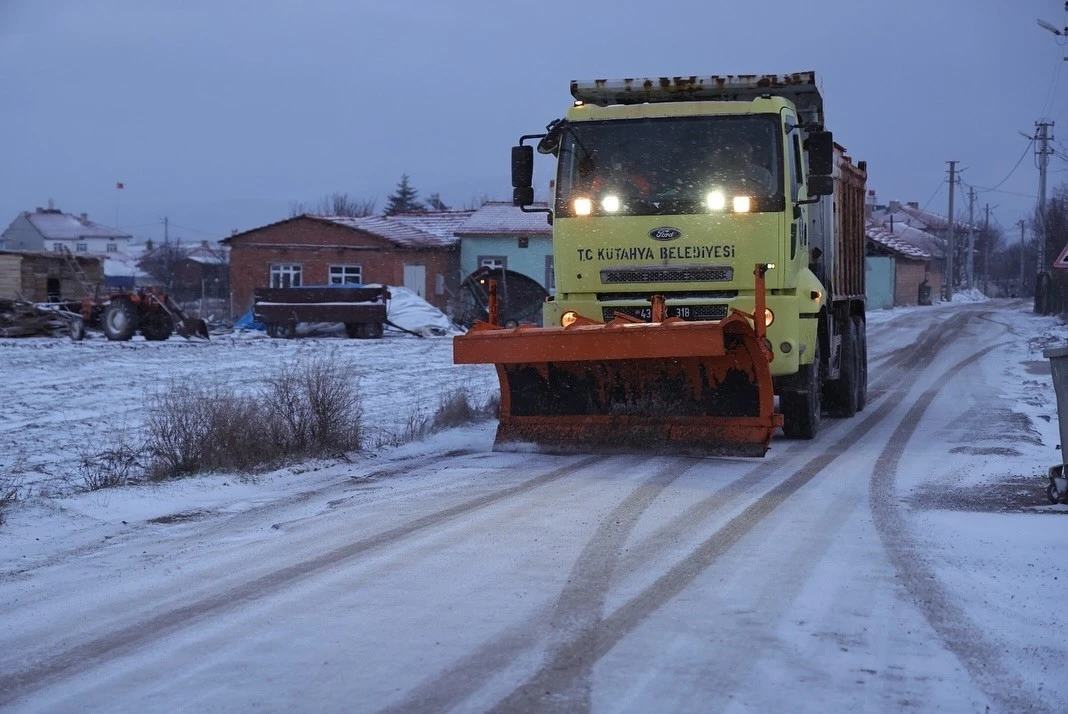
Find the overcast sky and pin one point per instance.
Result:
(221, 113)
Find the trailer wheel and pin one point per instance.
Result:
(158, 327)
(841, 394)
(353, 330)
(77, 329)
(120, 320)
(801, 410)
(862, 359)
(374, 330)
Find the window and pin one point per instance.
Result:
(550, 275)
(57, 247)
(439, 284)
(345, 275)
(285, 276)
(113, 248)
(493, 262)
(524, 242)
(81, 247)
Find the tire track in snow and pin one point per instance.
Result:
(14, 685)
(571, 667)
(958, 632)
(578, 606)
(568, 669)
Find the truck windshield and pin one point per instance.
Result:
(670, 166)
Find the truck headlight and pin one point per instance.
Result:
(769, 317)
(583, 206)
(741, 204)
(610, 203)
(568, 318)
(716, 201)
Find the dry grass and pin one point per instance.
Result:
(305, 408)
(457, 407)
(9, 493)
(109, 468)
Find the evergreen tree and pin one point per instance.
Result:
(404, 200)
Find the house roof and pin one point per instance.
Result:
(884, 237)
(499, 218)
(443, 224)
(53, 224)
(425, 230)
(396, 231)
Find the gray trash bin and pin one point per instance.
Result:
(1058, 362)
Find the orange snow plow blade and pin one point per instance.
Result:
(670, 386)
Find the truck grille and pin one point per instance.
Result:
(686, 312)
(680, 274)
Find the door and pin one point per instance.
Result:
(415, 279)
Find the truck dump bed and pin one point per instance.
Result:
(850, 186)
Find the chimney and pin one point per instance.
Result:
(914, 204)
(895, 206)
(84, 217)
(51, 205)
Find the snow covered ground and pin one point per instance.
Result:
(911, 562)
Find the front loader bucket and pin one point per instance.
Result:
(673, 387)
(192, 327)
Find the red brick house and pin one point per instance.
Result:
(418, 252)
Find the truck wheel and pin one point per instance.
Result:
(862, 359)
(353, 329)
(285, 330)
(374, 330)
(157, 327)
(841, 394)
(801, 410)
(119, 320)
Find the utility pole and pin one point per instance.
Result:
(1021, 224)
(987, 245)
(952, 225)
(1042, 151)
(971, 237)
(166, 222)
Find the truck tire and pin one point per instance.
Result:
(353, 330)
(862, 359)
(119, 320)
(157, 327)
(801, 411)
(841, 394)
(374, 330)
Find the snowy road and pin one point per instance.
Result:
(906, 559)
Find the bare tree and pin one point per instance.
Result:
(476, 202)
(334, 204)
(163, 262)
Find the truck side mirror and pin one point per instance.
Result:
(820, 185)
(522, 175)
(820, 146)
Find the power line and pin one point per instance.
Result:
(1000, 183)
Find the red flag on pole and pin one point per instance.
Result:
(118, 184)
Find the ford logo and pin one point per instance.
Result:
(665, 233)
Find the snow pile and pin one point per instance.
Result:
(972, 295)
(408, 310)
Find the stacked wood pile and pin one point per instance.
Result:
(19, 318)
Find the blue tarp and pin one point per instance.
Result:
(245, 322)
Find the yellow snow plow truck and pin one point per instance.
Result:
(708, 247)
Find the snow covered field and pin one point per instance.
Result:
(907, 558)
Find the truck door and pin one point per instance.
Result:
(415, 279)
